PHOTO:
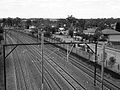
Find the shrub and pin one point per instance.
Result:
(47, 34)
(112, 61)
(1, 30)
(1, 38)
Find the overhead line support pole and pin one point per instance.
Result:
(38, 36)
(5, 36)
(95, 63)
(103, 60)
(68, 52)
(42, 47)
(10, 51)
(4, 67)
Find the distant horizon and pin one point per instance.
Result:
(61, 18)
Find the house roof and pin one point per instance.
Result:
(110, 32)
(61, 28)
(32, 27)
(89, 31)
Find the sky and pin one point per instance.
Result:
(60, 8)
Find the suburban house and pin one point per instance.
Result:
(90, 31)
(112, 36)
(32, 27)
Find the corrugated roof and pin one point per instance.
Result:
(110, 32)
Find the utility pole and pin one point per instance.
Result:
(103, 60)
(4, 67)
(42, 47)
(38, 36)
(5, 36)
(95, 63)
(68, 52)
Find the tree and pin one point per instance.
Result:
(1, 29)
(101, 25)
(9, 21)
(47, 34)
(96, 37)
(117, 26)
(17, 21)
(71, 33)
(112, 61)
(70, 20)
(4, 21)
(28, 23)
(1, 38)
(87, 24)
(82, 23)
(52, 29)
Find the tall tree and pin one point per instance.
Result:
(101, 25)
(9, 21)
(28, 23)
(70, 20)
(117, 26)
(17, 21)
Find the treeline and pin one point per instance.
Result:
(70, 21)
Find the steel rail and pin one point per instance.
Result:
(27, 48)
(72, 78)
(45, 79)
(81, 64)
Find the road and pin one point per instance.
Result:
(58, 74)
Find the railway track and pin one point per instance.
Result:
(72, 77)
(68, 81)
(22, 79)
(82, 66)
(78, 64)
(68, 76)
(62, 83)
